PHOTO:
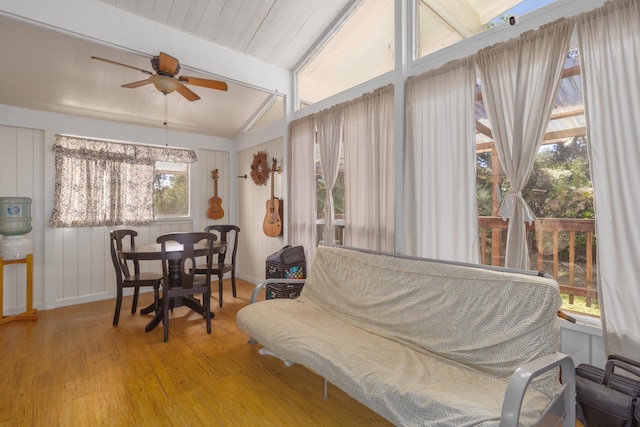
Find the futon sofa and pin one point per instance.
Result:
(425, 342)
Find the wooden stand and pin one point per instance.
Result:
(31, 313)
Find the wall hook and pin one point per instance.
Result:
(243, 176)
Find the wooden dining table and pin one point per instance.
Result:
(153, 252)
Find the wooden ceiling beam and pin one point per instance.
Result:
(562, 134)
(483, 129)
(567, 114)
(571, 71)
(549, 137)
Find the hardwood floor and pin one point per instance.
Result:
(71, 367)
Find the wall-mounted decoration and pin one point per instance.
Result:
(215, 203)
(260, 168)
(272, 224)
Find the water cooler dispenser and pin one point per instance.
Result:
(16, 248)
(15, 222)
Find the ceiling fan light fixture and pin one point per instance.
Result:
(164, 80)
(165, 84)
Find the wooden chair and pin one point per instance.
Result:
(180, 279)
(227, 234)
(124, 275)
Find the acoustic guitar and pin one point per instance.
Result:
(215, 203)
(272, 224)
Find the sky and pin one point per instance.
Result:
(526, 6)
(522, 8)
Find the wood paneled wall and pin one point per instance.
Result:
(209, 160)
(255, 246)
(22, 175)
(81, 268)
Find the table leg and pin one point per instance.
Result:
(190, 302)
(154, 322)
(148, 309)
(195, 305)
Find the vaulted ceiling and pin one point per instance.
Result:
(46, 48)
(48, 66)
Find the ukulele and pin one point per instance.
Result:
(272, 225)
(215, 203)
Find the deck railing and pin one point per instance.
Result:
(563, 247)
(338, 224)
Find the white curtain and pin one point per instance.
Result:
(368, 171)
(329, 136)
(609, 40)
(440, 213)
(520, 80)
(302, 185)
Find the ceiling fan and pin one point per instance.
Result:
(166, 67)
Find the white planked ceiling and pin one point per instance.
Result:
(276, 31)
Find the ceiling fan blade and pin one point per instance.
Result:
(137, 84)
(187, 93)
(211, 84)
(108, 61)
(168, 64)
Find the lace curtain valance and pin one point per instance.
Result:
(131, 153)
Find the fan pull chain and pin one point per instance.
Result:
(166, 130)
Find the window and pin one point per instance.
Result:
(170, 189)
(443, 23)
(361, 49)
(357, 139)
(338, 198)
(108, 183)
(562, 240)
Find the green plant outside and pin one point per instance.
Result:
(580, 305)
(559, 187)
(170, 194)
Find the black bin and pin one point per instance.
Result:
(288, 263)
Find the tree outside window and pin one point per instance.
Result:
(171, 189)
